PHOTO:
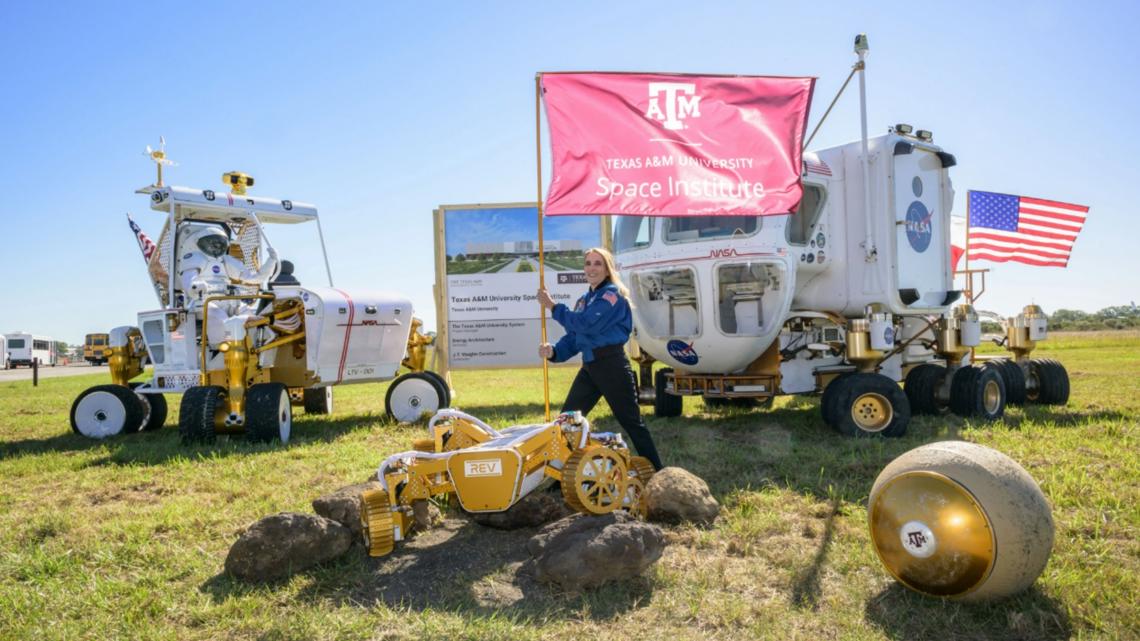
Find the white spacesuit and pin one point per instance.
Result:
(207, 269)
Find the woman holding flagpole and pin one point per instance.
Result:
(598, 328)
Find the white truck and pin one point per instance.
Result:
(25, 349)
(296, 344)
(849, 295)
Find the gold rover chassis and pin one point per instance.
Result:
(488, 470)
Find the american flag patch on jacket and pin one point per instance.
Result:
(610, 298)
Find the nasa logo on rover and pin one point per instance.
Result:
(683, 352)
(918, 228)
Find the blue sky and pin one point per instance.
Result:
(380, 112)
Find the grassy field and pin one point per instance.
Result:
(126, 538)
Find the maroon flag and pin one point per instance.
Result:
(675, 145)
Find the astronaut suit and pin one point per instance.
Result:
(207, 269)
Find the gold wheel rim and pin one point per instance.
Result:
(594, 480)
(634, 499)
(931, 534)
(872, 412)
(991, 397)
(376, 519)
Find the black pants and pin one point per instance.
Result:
(610, 376)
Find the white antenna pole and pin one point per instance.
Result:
(870, 254)
(324, 252)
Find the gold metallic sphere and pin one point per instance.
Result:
(960, 520)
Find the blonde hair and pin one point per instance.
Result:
(611, 270)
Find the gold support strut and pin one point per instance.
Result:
(541, 267)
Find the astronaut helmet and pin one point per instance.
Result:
(212, 241)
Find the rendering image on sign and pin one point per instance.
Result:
(491, 276)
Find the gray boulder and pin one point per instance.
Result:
(280, 545)
(584, 550)
(343, 506)
(533, 510)
(675, 495)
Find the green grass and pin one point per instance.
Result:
(126, 538)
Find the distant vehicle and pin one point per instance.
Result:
(4, 351)
(23, 349)
(96, 349)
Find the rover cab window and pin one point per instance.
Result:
(667, 300)
(806, 215)
(742, 307)
(693, 228)
(631, 232)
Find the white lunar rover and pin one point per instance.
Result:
(292, 344)
(849, 295)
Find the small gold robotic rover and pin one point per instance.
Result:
(489, 470)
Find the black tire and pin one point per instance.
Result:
(413, 395)
(978, 392)
(155, 410)
(921, 389)
(827, 407)
(443, 385)
(106, 410)
(1051, 382)
(870, 405)
(196, 413)
(1013, 378)
(268, 413)
(318, 400)
(665, 405)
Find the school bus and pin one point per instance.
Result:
(95, 349)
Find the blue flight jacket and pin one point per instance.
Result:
(601, 317)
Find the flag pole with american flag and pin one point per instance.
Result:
(1007, 228)
(148, 249)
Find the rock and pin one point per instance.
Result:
(426, 515)
(585, 550)
(533, 510)
(280, 545)
(343, 506)
(675, 495)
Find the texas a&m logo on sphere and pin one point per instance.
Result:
(683, 352)
(678, 101)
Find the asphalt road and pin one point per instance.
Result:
(25, 373)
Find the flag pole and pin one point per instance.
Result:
(541, 263)
(968, 277)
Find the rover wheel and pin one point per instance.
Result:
(1013, 378)
(594, 480)
(1048, 382)
(634, 500)
(827, 408)
(665, 405)
(106, 410)
(268, 413)
(376, 521)
(198, 412)
(412, 395)
(442, 384)
(978, 392)
(921, 389)
(154, 409)
(642, 468)
(870, 405)
(318, 400)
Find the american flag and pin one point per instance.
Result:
(146, 245)
(1024, 230)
